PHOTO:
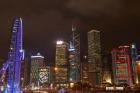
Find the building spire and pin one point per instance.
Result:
(73, 27)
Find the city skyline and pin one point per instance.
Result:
(69, 46)
(125, 65)
(48, 21)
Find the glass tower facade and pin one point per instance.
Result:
(76, 59)
(94, 58)
(73, 70)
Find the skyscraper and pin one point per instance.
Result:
(133, 58)
(122, 65)
(36, 63)
(61, 64)
(74, 56)
(94, 58)
(73, 70)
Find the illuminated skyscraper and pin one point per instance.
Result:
(133, 58)
(94, 58)
(74, 56)
(122, 65)
(36, 63)
(61, 64)
(76, 44)
(73, 70)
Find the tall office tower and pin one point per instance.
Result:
(76, 51)
(36, 63)
(72, 65)
(61, 64)
(122, 65)
(94, 58)
(133, 58)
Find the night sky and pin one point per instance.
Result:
(45, 21)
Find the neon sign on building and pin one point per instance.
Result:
(121, 60)
(44, 74)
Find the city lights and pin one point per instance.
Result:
(71, 85)
(138, 62)
(56, 68)
(69, 68)
(59, 42)
(108, 80)
(37, 56)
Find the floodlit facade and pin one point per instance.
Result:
(36, 64)
(94, 58)
(61, 64)
(122, 65)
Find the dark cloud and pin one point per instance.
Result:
(96, 7)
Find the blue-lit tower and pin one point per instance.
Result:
(134, 58)
(14, 58)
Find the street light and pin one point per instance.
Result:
(138, 63)
(55, 68)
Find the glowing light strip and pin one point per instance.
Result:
(21, 32)
(59, 42)
(37, 57)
